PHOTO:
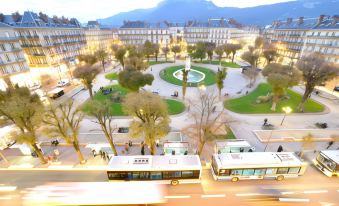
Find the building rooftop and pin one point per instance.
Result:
(322, 22)
(31, 19)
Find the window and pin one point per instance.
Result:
(248, 172)
(259, 172)
(187, 174)
(224, 172)
(294, 170)
(117, 175)
(282, 170)
(271, 171)
(156, 176)
(236, 172)
(171, 174)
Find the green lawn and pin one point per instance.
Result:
(174, 106)
(216, 62)
(151, 63)
(167, 75)
(111, 76)
(247, 104)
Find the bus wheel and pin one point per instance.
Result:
(280, 177)
(174, 182)
(234, 179)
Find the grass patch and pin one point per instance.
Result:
(247, 104)
(151, 63)
(167, 75)
(223, 63)
(112, 76)
(174, 106)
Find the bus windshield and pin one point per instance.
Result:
(328, 163)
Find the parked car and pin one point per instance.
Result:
(55, 93)
(123, 130)
(63, 82)
(336, 88)
(35, 86)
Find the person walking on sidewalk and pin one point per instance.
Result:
(142, 148)
(126, 147)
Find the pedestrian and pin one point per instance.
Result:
(104, 156)
(142, 148)
(130, 143)
(265, 122)
(94, 152)
(280, 148)
(151, 69)
(107, 157)
(126, 147)
(329, 144)
(157, 142)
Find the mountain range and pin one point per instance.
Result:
(180, 11)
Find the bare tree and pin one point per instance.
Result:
(87, 74)
(206, 119)
(102, 112)
(184, 82)
(315, 70)
(251, 56)
(63, 121)
(165, 50)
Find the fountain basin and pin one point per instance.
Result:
(194, 76)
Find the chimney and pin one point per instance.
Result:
(321, 19)
(301, 20)
(335, 19)
(289, 21)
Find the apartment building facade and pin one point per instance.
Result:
(51, 45)
(295, 38)
(13, 64)
(98, 37)
(137, 32)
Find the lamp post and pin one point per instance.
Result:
(287, 110)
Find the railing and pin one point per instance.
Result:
(8, 38)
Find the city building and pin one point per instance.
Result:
(13, 66)
(295, 38)
(51, 45)
(137, 32)
(99, 37)
(218, 31)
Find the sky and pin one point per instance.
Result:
(85, 10)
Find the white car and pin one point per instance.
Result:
(35, 86)
(63, 82)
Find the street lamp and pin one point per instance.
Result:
(202, 87)
(287, 110)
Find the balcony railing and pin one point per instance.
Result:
(8, 38)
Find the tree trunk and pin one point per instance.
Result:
(220, 60)
(233, 57)
(147, 59)
(166, 57)
(274, 103)
(90, 92)
(3, 157)
(110, 140)
(200, 59)
(153, 148)
(183, 92)
(175, 55)
(39, 153)
(308, 91)
(103, 65)
(219, 94)
(156, 58)
(201, 147)
(78, 151)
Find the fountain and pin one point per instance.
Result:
(194, 76)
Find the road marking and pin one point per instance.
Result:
(6, 198)
(178, 196)
(315, 191)
(218, 195)
(293, 200)
(287, 193)
(7, 188)
(248, 194)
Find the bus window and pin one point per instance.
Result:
(187, 174)
(248, 172)
(271, 171)
(117, 175)
(282, 170)
(156, 176)
(224, 172)
(294, 170)
(236, 172)
(235, 149)
(171, 174)
(259, 172)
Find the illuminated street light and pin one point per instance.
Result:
(202, 87)
(287, 110)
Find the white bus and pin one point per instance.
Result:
(232, 146)
(259, 165)
(328, 162)
(162, 169)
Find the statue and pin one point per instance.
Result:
(188, 64)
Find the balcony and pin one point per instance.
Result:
(30, 45)
(9, 39)
(38, 55)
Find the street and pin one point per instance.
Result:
(313, 188)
